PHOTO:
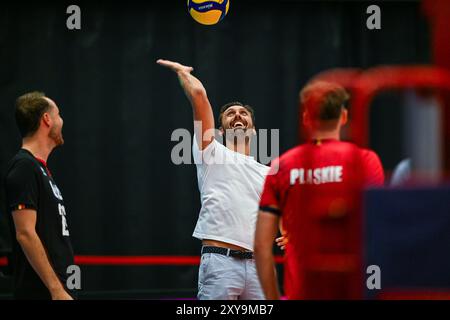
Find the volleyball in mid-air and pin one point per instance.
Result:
(208, 12)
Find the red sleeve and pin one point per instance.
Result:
(270, 194)
(373, 169)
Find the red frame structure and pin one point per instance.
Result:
(365, 85)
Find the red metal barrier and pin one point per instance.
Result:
(136, 260)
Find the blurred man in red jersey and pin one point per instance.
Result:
(317, 191)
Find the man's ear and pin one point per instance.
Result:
(344, 116)
(46, 119)
(221, 131)
(306, 119)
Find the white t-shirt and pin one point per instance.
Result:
(230, 187)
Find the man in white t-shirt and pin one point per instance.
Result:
(230, 183)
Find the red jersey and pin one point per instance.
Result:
(317, 188)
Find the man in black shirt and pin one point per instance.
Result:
(42, 251)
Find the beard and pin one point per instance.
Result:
(239, 135)
(56, 135)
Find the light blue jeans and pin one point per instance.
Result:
(227, 278)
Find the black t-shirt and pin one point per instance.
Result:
(29, 185)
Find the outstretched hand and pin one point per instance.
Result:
(196, 94)
(175, 66)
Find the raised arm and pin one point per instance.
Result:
(196, 93)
